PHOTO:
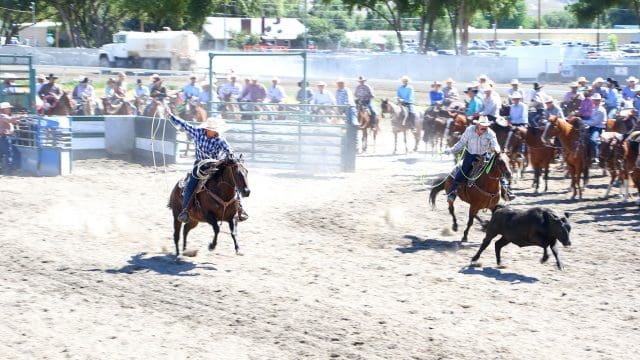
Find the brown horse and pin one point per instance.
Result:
(625, 121)
(230, 108)
(217, 201)
(156, 109)
(398, 115)
(192, 111)
(576, 150)
(364, 121)
(540, 156)
(434, 124)
(612, 158)
(513, 148)
(62, 106)
(632, 160)
(119, 107)
(86, 107)
(569, 107)
(480, 193)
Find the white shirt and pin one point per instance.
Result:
(598, 118)
(276, 94)
(477, 144)
(490, 106)
(518, 114)
(324, 98)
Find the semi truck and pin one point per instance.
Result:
(162, 50)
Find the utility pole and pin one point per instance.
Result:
(33, 12)
(539, 19)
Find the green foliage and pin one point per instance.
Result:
(240, 39)
(560, 19)
(442, 34)
(323, 33)
(391, 42)
(478, 21)
(613, 42)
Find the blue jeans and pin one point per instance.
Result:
(352, 115)
(594, 140)
(611, 111)
(190, 187)
(465, 169)
(372, 110)
(6, 149)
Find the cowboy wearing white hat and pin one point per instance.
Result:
(450, 92)
(628, 92)
(192, 89)
(275, 92)
(482, 79)
(436, 96)
(518, 114)
(598, 88)
(515, 88)
(550, 108)
(323, 97)
(490, 104)
(573, 93)
(477, 140)
(208, 145)
(597, 122)
(364, 96)
(406, 97)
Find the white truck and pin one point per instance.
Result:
(162, 50)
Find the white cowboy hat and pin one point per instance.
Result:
(598, 80)
(574, 84)
(449, 80)
(5, 105)
(436, 83)
(515, 82)
(155, 76)
(41, 76)
(321, 83)
(632, 78)
(581, 79)
(502, 121)
(405, 77)
(8, 76)
(482, 121)
(340, 80)
(483, 76)
(596, 96)
(548, 99)
(216, 124)
(475, 84)
(516, 95)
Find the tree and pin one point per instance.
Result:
(588, 10)
(560, 19)
(13, 13)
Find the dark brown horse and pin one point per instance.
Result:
(398, 114)
(480, 193)
(86, 107)
(192, 111)
(434, 124)
(119, 107)
(62, 106)
(569, 107)
(612, 158)
(540, 156)
(364, 121)
(218, 201)
(513, 148)
(157, 108)
(624, 122)
(576, 150)
(632, 160)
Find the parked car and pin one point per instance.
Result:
(446, 52)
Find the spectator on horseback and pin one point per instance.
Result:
(636, 99)
(300, 95)
(141, 90)
(364, 95)
(536, 101)
(192, 90)
(597, 122)
(344, 97)
(490, 105)
(110, 90)
(586, 106)
(582, 82)
(323, 97)
(121, 84)
(436, 96)
(39, 82)
(518, 113)
(515, 88)
(450, 92)
(275, 93)
(628, 92)
(230, 90)
(83, 91)
(474, 102)
(573, 93)
(50, 92)
(209, 145)
(483, 81)
(550, 108)
(203, 98)
(8, 86)
(477, 141)
(613, 99)
(254, 92)
(598, 88)
(158, 90)
(406, 98)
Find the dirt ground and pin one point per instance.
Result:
(351, 266)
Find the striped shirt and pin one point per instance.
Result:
(344, 96)
(477, 144)
(206, 148)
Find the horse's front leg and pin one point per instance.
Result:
(233, 228)
(395, 142)
(406, 146)
(472, 215)
(216, 231)
(176, 234)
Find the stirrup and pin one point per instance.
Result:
(451, 196)
(242, 215)
(183, 216)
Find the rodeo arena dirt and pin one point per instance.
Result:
(353, 265)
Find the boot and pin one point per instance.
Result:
(242, 215)
(188, 192)
(184, 216)
(508, 194)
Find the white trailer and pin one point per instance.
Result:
(162, 50)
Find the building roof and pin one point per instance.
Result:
(41, 24)
(274, 28)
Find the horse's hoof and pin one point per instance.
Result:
(238, 253)
(502, 266)
(464, 240)
(454, 228)
(475, 264)
(212, 246)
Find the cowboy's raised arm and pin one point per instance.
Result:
(190, 129)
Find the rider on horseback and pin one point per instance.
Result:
(436, 95)
(50, 92)
(597, 122)
(209, 145)
(364, 95)
(406, 98)
(477, 140)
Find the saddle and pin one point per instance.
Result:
(479, 165)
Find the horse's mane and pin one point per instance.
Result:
(577, 123)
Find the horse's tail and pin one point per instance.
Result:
(173, 198)
(435, 190)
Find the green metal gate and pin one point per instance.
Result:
(21, 94)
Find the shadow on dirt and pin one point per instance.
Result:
(418, 244)
(499, 275)
(161, 264)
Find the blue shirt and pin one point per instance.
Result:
(598, 118)
(190, 90)
(436, 97)
(628, 92)
(344, 96)
(475, 104)
(206, 148)
(518, 114)
(300, 96)
(613, 99)
(405, 93)
(636, 102)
